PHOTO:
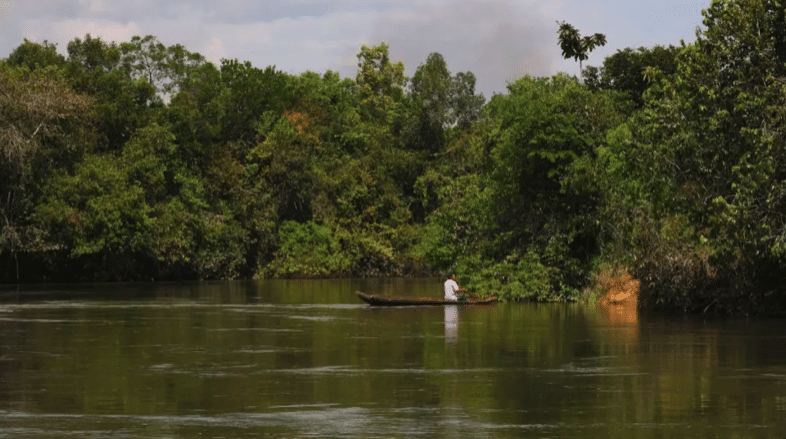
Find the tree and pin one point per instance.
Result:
(383, 118)
(430, 90)
(543, 199)
(625, 70)
(34, 55)
(91, 54)
(32, 107)
(123, 104)
(574, 46)
(709, 150)
(286, 161)
(466, 105)
(142, 161)
(38, 111)
(252, 96)
(380, 82)
(517, 200)
(441, 101)
(140, 213)
(163, 67)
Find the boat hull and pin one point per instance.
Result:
(413, 301)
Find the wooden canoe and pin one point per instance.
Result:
(412, 300)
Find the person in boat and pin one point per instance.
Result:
(452, 289)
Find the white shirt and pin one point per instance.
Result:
(451, 288)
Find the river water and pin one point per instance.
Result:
(306, 359)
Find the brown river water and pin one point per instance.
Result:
(306, 359)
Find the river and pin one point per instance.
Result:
(306, 359)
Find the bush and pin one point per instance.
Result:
(309, 250)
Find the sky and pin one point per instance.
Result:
(497, 40)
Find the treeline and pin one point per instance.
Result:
(137, 161)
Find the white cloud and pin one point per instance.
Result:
(66, 30)
(498, 40)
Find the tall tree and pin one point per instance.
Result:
(91, 54)
(34, 55)
(39, 116)
(380, 82)
(163, 67)
(466, 105)
(574, 45)
(442, 101)
(430, 89)
(252, 96)
(122, 104)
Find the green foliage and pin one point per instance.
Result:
(139, 161)
(251, 96)
(163, 67)
(221, 247)
(93, 55)
(286, 161)
(35, 56)
(543, 197)
(41, 129)
(440, 101)
(525, 278)
(122, 103)
(522, 222)
(430, 90)
(96, 210)
(179, 169)
(455, 196)
(574, 46)
(309, 249)
(380, 82)
(467, 106)
(139, 213)
(706, 150)
(625, 71)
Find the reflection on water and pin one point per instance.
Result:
(307, 359)
(451, 323)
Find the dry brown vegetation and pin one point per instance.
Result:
(618, 286)
(620, 295)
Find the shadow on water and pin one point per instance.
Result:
(279, 291)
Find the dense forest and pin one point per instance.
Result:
(140, 161)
